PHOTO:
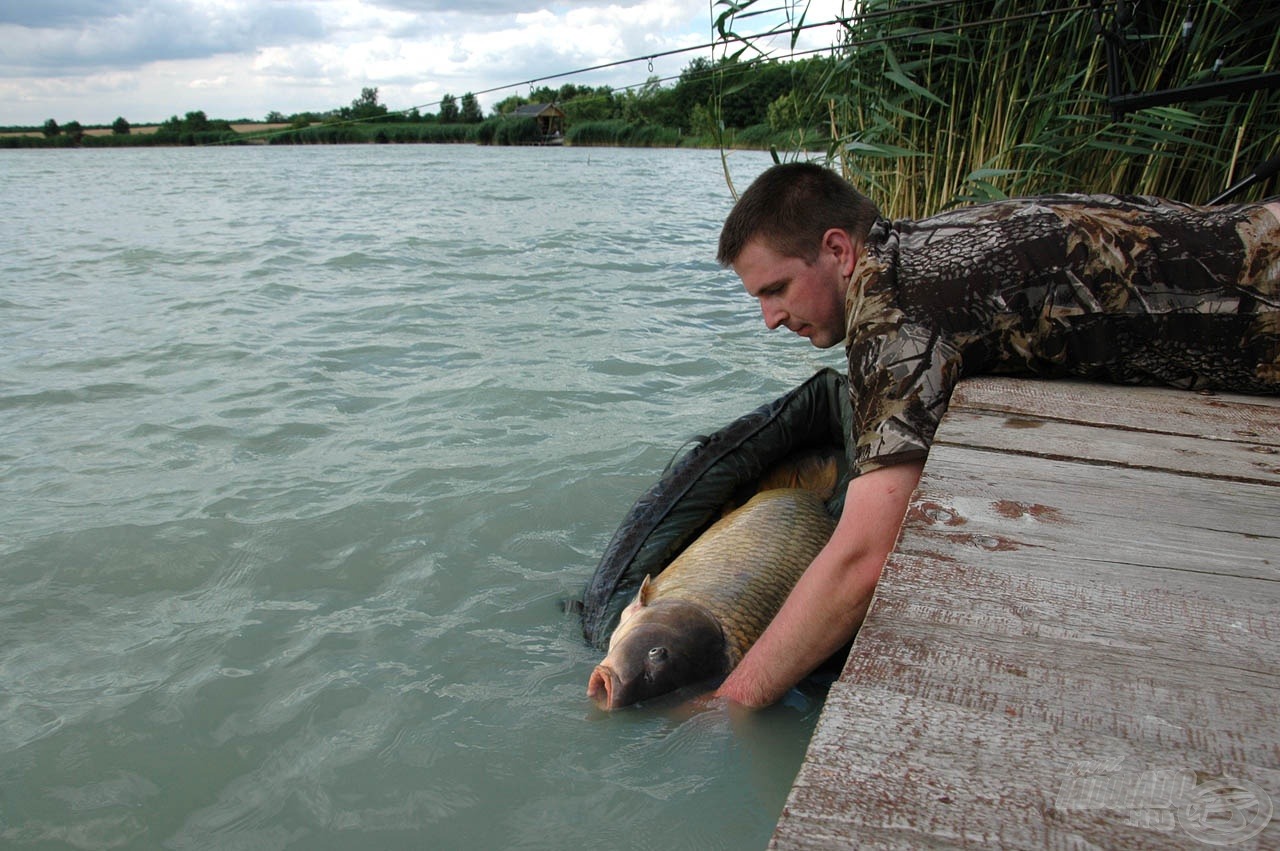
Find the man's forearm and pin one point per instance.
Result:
(828, 604)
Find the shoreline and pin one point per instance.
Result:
(591, 135)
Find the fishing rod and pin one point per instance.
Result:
(1261, 172)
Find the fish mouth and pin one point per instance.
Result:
(602, 685)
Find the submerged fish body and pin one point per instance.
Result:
(697, 619)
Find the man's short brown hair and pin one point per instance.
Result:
(790, 207)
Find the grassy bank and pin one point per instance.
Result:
(494, 131)
(126, 140)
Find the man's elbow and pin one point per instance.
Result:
(868, 532)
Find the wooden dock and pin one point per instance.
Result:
(1076, 643)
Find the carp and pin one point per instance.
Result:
(700, 615)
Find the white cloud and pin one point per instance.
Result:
(92, 60)
(153, 30)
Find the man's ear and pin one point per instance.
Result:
(842, 248)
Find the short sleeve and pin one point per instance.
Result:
(900, 380)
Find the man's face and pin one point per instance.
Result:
(807, 298)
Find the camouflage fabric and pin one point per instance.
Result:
(1124, 289)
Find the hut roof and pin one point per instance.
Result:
(537, 110)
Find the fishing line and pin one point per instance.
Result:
(649, 57)
(738, 66)
(845, 21)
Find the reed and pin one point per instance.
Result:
(935, 104)
(619, 132)
(504, 130)
(351, 133)
(608, 132)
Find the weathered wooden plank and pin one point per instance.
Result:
(1220, 715)
(1234, 622)
(1099, 503)
(1026, 435)
(1188, 675)
(892, 771)
(1182, 561)
(1147, 627)
(1216, 416)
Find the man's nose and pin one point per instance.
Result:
(773, 315)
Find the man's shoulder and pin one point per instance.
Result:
(1035, 205)
(978, 230)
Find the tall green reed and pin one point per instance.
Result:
(935, 104)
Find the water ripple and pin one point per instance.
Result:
(299, 466)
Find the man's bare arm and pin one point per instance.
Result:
(829, 602)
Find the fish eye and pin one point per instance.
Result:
(657, 654)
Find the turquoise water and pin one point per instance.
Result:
(301, 451)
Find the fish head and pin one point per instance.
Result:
(660, 648)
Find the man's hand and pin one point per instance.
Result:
(828, 604)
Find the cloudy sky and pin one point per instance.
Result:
(93, 60)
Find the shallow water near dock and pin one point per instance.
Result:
(301, 452)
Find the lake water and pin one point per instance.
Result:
(302, 450)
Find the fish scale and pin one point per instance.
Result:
(743, 567)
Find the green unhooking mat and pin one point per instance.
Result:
(691, 494)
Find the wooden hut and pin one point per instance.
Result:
(550, 120)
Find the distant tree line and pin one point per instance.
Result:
(195, 128)
(708, 103)
(368, 108)
(705, 97)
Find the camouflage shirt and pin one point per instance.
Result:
(1125, 289)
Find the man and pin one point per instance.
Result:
(1124, 289)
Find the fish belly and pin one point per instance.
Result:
(743, 567)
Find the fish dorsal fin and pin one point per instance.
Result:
(646, 591)
(638, 602)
